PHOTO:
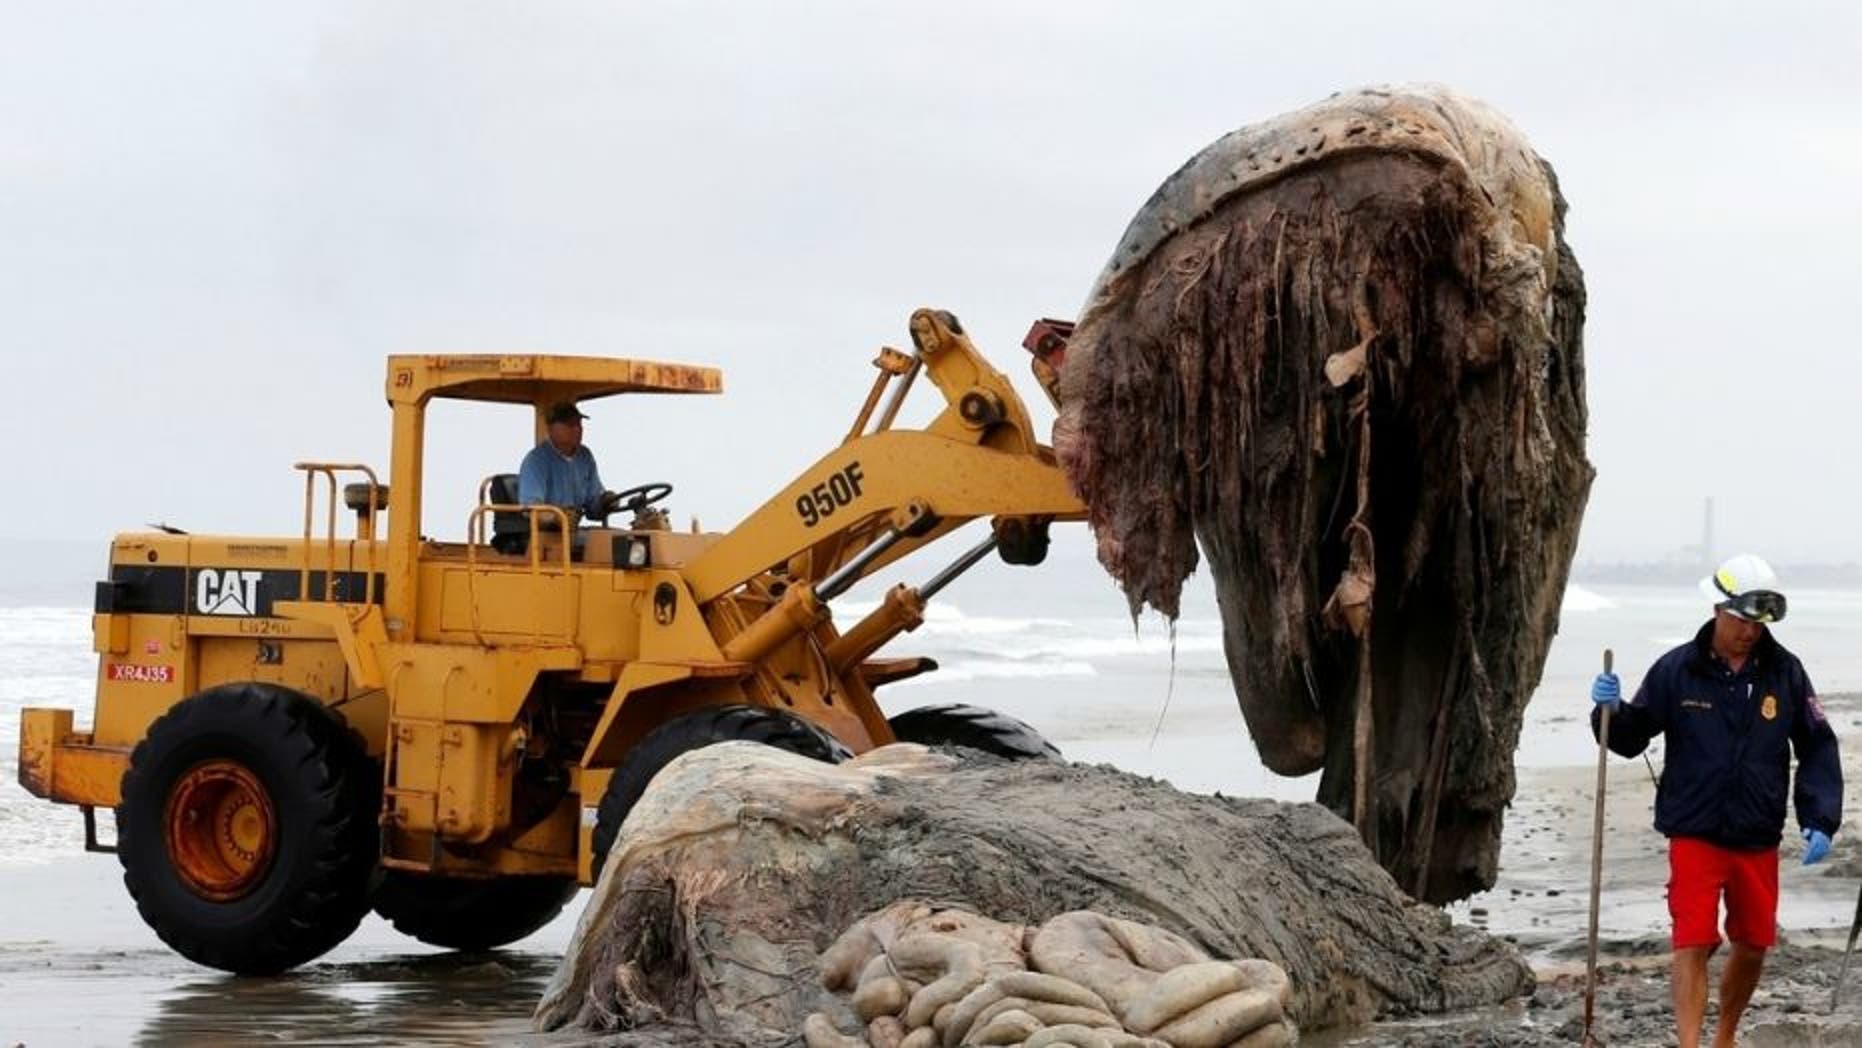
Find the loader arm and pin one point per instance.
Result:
(977, 458)
(882, 475)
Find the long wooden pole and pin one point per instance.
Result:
(1596, 856)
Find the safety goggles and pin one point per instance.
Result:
(1756, 605)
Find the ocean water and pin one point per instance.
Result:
(1054, 646)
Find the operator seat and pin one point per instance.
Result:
(510, 532)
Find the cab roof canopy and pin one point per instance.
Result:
(539, 379)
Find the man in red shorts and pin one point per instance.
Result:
(1732, 705)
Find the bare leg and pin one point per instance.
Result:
(1736, 985)
(1690, 993)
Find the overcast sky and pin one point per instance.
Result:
(217, 219)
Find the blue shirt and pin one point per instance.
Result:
(548, 479)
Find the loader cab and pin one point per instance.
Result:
(496, 525)
(640, 509)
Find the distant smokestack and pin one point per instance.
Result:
(1706, 535)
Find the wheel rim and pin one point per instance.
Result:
(220, 829)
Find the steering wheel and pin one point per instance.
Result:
(640, 496)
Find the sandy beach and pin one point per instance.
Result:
(78, 967)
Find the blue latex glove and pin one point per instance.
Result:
(1606, 690)
(1816, 846)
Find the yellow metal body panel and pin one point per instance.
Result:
(315, 668)
(622, 725)
(455, 747)
(60, 764)
(138, 683)
(110, 634)
(452, 682)
(509, 606)
(538, 379)
(358, 632)
(40, 731)
(452, 779)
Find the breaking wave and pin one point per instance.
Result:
(947, 629)
(1577, 598)
(988, 669)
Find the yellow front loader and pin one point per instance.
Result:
(292, 730)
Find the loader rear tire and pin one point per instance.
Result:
(247, 828)
(696, 730)
(973, 727)
(462, 914)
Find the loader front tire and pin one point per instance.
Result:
(696, 730)
(463, 914)
(247, 829)
(973, 727)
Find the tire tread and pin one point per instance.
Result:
(459, 914)
(312, 752)
(974, 727)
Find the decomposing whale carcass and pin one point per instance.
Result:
(720, 915)
(920, 977)
(1342, 351)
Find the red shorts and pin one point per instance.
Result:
(1699, 872)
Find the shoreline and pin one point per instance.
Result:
(78, 966)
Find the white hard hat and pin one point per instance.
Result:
(1737, 576)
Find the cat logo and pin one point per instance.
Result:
(228, 592)
(1769, 708)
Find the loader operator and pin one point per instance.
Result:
(1731, 705)
(560, 471)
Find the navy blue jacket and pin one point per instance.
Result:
(1729, 740)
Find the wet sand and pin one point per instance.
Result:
(78, 967)
(1541, 902)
